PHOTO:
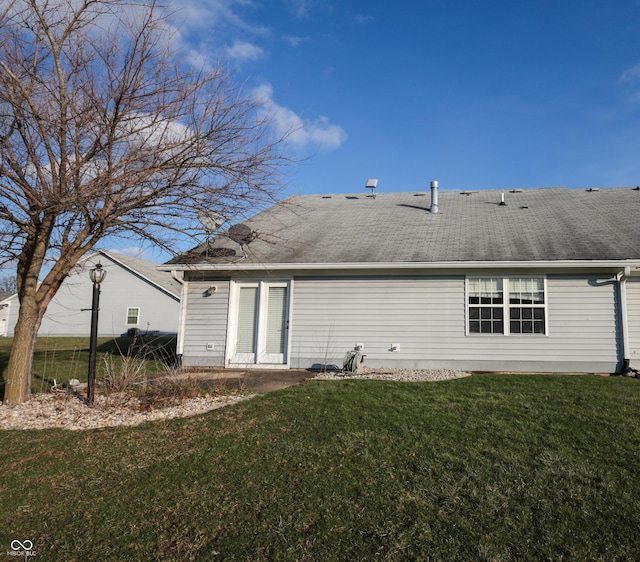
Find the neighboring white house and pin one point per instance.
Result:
(536, 280)
(133, 296)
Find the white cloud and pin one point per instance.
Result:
(205, 14)
(300, 8)
(241, 51)
(295, 41)
(202, 28)
(301, 133)
(363, 19)
(629, 80)
(630, 76)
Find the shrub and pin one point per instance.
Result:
(166, 392)
(122, 373)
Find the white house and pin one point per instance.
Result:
(532, 280)
(134, 296)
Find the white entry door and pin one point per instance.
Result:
(260, 333)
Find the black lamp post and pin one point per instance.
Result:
(97, 275)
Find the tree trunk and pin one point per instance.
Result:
(18, 387)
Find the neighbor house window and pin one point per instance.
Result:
(510, 305)
(133, 315)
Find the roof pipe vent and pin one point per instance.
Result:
(434, 197)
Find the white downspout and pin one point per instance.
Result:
(622, 284)
(183, 312)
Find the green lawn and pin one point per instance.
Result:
(490, 467)
(65, 358)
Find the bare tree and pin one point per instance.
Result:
(106, 130)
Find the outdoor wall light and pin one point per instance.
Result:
(210, 291)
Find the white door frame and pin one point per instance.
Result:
(259, 359)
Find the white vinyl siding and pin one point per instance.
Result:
(633, 320)
(205, 323)
(583, 320)
(330, 316)
(426, 318)
(69, 313)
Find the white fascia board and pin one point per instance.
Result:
(359, 266)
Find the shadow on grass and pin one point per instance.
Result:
(64, 358)
(148, 347)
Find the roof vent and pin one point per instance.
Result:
(434, 197)
(592, 189)
(219, 253)
(372, 184)
(516, 191)
(636, 188)
(502, 203)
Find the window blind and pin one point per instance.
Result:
(246, 341)
(276, 319)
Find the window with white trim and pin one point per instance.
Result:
(133, 316)
(486, 306)
(509, 305)
(526, 305)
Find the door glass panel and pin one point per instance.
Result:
(247, 320)
(276, 319)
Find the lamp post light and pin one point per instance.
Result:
(97, 275)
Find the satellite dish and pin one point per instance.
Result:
(211, 220)
(241, 234)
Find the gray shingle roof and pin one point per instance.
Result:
(148, 270)
(535, 225)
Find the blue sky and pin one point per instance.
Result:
(490, 94)
(478, 95)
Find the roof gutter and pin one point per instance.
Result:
(360, 266)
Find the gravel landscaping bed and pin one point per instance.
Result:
(408, 375)
(70, 411)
